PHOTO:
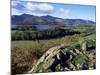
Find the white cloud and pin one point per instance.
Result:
(62, 10)
(29, 6)
(15, 3)
(42, 7)
(61, 13)
(38, 9)
(45, 7)
(16, 12)
(34, 13)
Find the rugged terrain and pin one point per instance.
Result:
(62, 49)
(64, 58)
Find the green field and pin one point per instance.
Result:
(25, 53)
(91, 37)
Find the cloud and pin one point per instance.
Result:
(14, 3)
(38, 9)
(16, 12)
(64, 11)
(17, 7)
(61, 13)
(42, 7)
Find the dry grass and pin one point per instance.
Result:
(25, 56)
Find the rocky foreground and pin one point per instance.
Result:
(65, 58)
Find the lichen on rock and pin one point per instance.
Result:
(63, 58)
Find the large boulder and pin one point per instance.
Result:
(51, 59)
(62, 58)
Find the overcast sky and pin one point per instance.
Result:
(58, 10)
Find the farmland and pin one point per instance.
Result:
(26, 52)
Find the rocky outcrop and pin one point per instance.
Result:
(46, 60)
(84, 45)
(61, 58)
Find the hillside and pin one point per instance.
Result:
(27, 19)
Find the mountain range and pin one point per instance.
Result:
(27, 19)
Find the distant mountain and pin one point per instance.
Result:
(27, 19)
(78, 22)
(50, 17)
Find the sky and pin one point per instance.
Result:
(65, 11)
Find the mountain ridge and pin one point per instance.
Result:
(27, 19)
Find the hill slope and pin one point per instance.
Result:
(27, 19)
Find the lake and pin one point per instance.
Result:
(44, 27)
(39, 27)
